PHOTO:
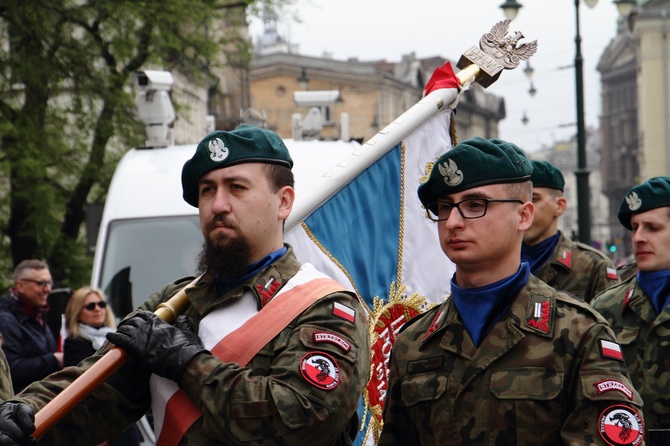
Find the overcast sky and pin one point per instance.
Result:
(376, 29)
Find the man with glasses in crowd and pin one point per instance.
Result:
(28, 343)
(506, 359)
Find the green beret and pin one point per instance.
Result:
(473, 163)
(245, 144)
(653, 193)
(546, 175)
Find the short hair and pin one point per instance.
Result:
(279, 176)
(522, 191)
(75, 305)
(28, 264)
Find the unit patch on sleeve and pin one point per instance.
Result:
(320, 370)
(333, 339)
(612, 384)
(611, 274)
(621, 425)
(344, 312)
(609, 349)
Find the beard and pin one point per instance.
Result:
(222, 254)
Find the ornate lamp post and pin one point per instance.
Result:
(511, 8)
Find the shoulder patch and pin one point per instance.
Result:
(613, 384)
(610, 349)
(621, 425)
(332, 338)
(344, 312)
(320, 370)
(540, 315)
(611, 274)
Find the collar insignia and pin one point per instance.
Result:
(268, 290)
(539, 314)
(566, 259)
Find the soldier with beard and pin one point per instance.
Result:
(270, 351)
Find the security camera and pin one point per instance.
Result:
(154, 106)
(152, 80)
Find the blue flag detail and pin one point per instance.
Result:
(359, 226)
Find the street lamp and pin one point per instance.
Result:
(511, 8)
(303, 80)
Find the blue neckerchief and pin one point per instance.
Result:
(480, 308)
(538, 255)
(223, 286)
(656, 285)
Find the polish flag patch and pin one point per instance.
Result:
(611, 274)
(609, 349)
(344, 312)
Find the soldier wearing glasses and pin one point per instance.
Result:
(28, 343)
(506, 359)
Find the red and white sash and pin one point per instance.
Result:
(235, 333)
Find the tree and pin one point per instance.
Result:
(67, 112)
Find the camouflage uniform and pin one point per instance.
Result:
(268, 402)
(578, 269)
(6, 389)
(645, 341)
(538, 378)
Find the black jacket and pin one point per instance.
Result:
(28, 345)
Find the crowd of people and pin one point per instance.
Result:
(540, 341)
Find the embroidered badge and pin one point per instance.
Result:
(540, 314)
(344, 312)
(268, 290)
(434, 325)
(566, 259)
(320, 370)
(626, 298)
(423, 365)
(332, 338)
(451, 173)
(621, 425)
(612, 384)
(634, 202)
(609, 349)
(218, 150)
(611, 274)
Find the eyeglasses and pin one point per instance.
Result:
(39, 283)
(469, 208)
(91, 305)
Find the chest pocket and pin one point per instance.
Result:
(423, 388)
(533, 395)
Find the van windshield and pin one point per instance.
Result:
(143, 255)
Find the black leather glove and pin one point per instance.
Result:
(162, 348)
(17, 423)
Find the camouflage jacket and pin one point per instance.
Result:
(6, 389)
(268, 402)
(540, 377)
(645, 340)
(578, 269)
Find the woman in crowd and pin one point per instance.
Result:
(88, 319)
